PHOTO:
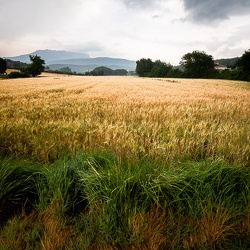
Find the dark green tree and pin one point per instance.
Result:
(65, 70)
(120, 72)
(36, 67)
(198, 65)
(144, 67)
(3, 66)
(160, 69)
(101, 71)
(243, 64)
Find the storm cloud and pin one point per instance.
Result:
(131, 29)
(214, 10)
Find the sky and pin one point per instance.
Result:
(129, 29)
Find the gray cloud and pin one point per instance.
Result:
(140, 3)
(214, 10)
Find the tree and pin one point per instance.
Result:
(3, 66)
(243, 64)
(101, 71)
(160, 69)
(65, 70)
(36, 67)
(120, 72)
(144, 67)
(198, 64)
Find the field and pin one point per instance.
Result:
(124, 163)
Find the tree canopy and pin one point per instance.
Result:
(105, 71)
(148, 68)
(244, 66)
(65, 70)
(3, 66)
(144, 67)
(197, 64)
(36, 67)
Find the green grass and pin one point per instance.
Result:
(96, 201)
(17, 186)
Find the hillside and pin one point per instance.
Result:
(50, 55)
(228, 61)
(77, 62)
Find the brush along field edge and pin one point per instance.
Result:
(95, 202)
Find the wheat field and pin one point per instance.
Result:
(124, 163)
(174, 119)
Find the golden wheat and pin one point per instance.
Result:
(172, 118)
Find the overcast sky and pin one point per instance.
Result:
(156, 29)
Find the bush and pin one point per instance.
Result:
(17, 74)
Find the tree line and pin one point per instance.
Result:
(105, 71)
(35, 68)
(196, 64)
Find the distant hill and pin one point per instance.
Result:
(77, 62)
(50, 55)
(230, 62)
(85, 64)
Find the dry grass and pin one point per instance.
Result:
(177, 119)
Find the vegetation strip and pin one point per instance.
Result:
(84, 201)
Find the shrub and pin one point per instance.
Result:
(17, 74)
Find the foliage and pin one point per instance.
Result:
(198, 64)
(3, 66)
(244, 65)
(160, 69)
(175, 73)
(26, 70)
(105, 71)
(17, 74)
(36, 67)
(120, 72)
(16, 64)
(144, 67)
(65, 70)
(148, 68)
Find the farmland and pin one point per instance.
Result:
(191, 119)
(139, 163)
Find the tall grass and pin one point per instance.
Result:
(93, 201)
(17, 187)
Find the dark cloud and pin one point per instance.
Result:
(214, 10)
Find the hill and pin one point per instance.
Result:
(50, 55)
(230, 62)
(77, 62)
(88, 64)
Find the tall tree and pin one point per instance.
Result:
(244, 65)
(36, 67)
(3, 66)
(198, 64)
(144, 67)
(160, 69)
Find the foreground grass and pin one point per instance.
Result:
(93, 201)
